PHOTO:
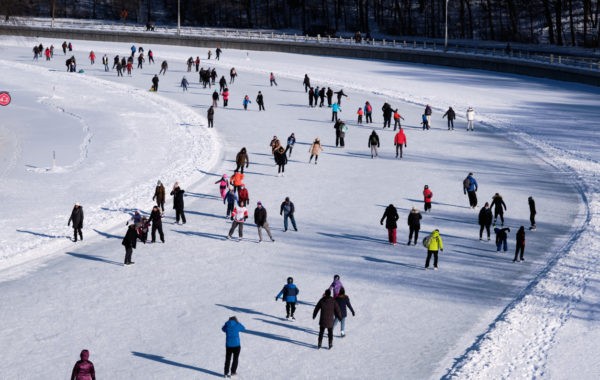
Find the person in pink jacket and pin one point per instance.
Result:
(84, 369)
(225, 96)
(223, 184)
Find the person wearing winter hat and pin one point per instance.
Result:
(485, 220)
(178, 204)
(390, 215)
(243, 195)
(520, 246)
(223, 185)
(232, 329)
(289, 294)
(499, 208)
(230, 198)
(260, 219)
(159, 195)
(329, 311)
(239, 216)
(427, 195)
(414, 225)
(435, 245)
(129, 242)
(84, 368)
(156, 219)
(77, 219)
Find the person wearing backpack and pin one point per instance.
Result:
(340, 132)
(470, 188)
(368, 113)
(485, 220)
(289, 295)
(391, 217)
(373, 143)
(434, 244)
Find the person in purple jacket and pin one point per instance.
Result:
(84, 369)
(336, 285)
(232, 329)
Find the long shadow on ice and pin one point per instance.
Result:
(107, 235)
(290, 326)
(161, 359)
(376, 260)
(247, 311)
(201, 195)
(93, 258)
(279, 338)
(354, 237)
(40, 234)
(201, 234)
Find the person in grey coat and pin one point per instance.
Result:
(329, 311)
(77, 219)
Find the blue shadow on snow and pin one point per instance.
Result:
(161, 359)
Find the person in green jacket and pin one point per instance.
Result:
(435, 245)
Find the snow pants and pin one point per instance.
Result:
(229, 352)
(414, 230)
(266, 227)
(520, 248)
(158, 227)
(487, 228)
(472, 198)
(179, 214)
(435, 258)
(285, 221)
(392, 235)
(240, 230)
(290, 309)
(329, 335)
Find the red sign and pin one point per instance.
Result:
(4, 98)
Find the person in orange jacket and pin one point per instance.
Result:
(397, 118)
(399, 140)
(360, 114)
(237, 179)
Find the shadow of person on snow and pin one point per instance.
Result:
(93, 258)
(161, 359)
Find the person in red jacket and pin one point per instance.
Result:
(427, 195)
(83, 369)
(397, 118)
(399, 140)
(243, 196)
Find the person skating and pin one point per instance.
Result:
(218, 52)
(238, 216)
(335, 108)
(274, 144)
(150, 57)
(222, 83)
(339, 94)
(154, 82)
(184, 84)
(260, 219)
(237, 179)
(156, 220)
(306, 82)
(230, 198)
(321, 97)
(390, 215)
(241, 160)
(291, 141)
(435, 245)
(315, 150)
(287, 209)
(105, 62)
(245, 102)
(92, 57)
(84, 368)
(215, 98)
(373, 143)
(129, 242)
(336, 285)
(340, 133)
(232, 329)
(316, 95)
(141, 61)
(499, 208)
(344, 304)
(311, 96)
(425, 122)
(387, 115)
(77, 219)
(485, 220)
(329, 310)
(532, 212)
(289, 295)
(329, 95)
(451, 115)
(281, 160)
(427, 195)
(159, 195)
(427, 114)
(210, 116)
(501, 238)
(414, 225)
(178, 204)
(397, 118)
(470, 187)
(520, 245)
(163, 66)
(470, 118)
(243, 195)
(359, 115)
(260, 101)
(399, 141)
(225, 96)
(223, 184)
(272, 79)
(368, 113)
(64, 47)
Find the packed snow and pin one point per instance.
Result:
(104, 141)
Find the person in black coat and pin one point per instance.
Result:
(532, 212)
(387, 115)
(343, 302)
(499, 208)
(373, 143)
(260, 101)
(156, 219)
(329, 94)
(451, 116)
(339, 94)
(129, 241)
(414, 225)
(321, 97)
(155, 82)
(391, 217)
(501, 238)
(77, 219)
(485, 220)
(260, 219)
(306, 82)
(520, 246)
(177, 194)
(280, 160)
(340, 133)
(329, 311)
(311, 96)
(210, 116)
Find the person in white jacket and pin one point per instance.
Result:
(470, 118)
(239, 216)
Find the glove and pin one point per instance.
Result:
(275, 298)
(353, 314)
(381, 223)
(68, 224)
(232, 218)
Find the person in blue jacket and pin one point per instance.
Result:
(232, 329)
(288, 294)
(335, 108)
(470, 188)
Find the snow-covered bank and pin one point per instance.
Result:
(161, 319)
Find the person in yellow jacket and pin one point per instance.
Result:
(434, 245)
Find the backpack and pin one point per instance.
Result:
(344, 128)
(466, 183)
(426, 241)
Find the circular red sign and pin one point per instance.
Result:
(4, 98)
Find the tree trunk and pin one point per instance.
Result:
(492, 35)
(470, 13)
(514, 19)
(558, 15)
(549, 23)
(571, 23)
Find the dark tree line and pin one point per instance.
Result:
(560, 22)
